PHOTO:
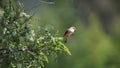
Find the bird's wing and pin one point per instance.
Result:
(67, 34)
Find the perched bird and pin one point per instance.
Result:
(70, 31)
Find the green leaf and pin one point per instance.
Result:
(42, 64)
(44, 57)
(65, 48)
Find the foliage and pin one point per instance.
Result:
(20, 45)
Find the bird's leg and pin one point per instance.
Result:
(65, 40)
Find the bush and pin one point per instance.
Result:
(20, 45)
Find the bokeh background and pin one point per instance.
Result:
(96, 42)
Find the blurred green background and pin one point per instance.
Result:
(96, 42)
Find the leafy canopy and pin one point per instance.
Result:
(20, 45)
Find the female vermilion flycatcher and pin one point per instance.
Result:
(69, 32)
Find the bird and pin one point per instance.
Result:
(70, 31)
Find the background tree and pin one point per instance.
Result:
(21, 46)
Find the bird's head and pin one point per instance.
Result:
(72, 29)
